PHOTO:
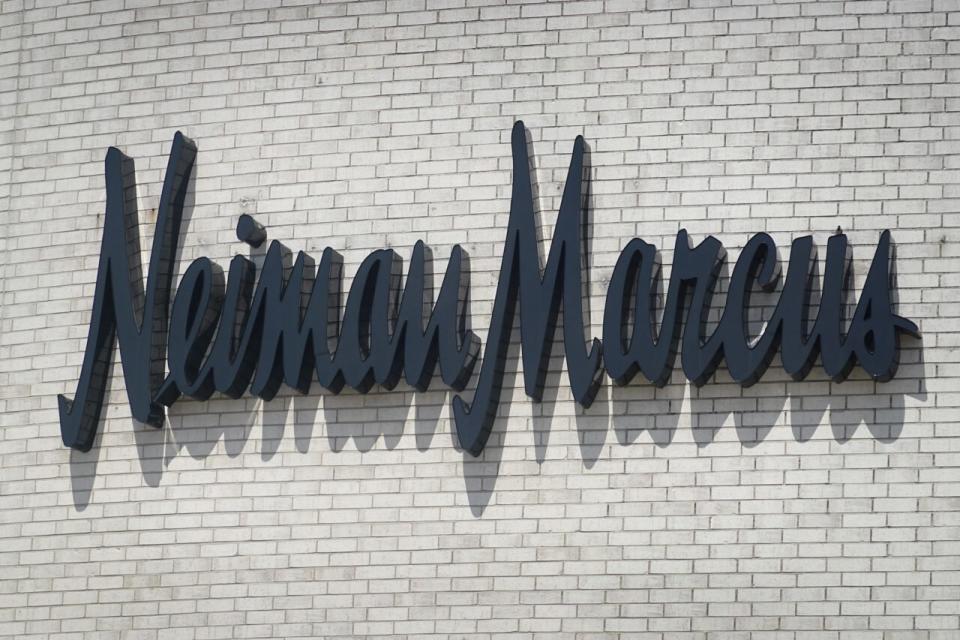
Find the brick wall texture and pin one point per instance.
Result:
(786, 510)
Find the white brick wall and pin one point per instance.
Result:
(801, 510)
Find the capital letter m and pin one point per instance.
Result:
(121, 307)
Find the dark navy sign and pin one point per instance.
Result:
(238, 333)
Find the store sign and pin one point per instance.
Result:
(241, 333)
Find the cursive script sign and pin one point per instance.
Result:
(237, 333)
